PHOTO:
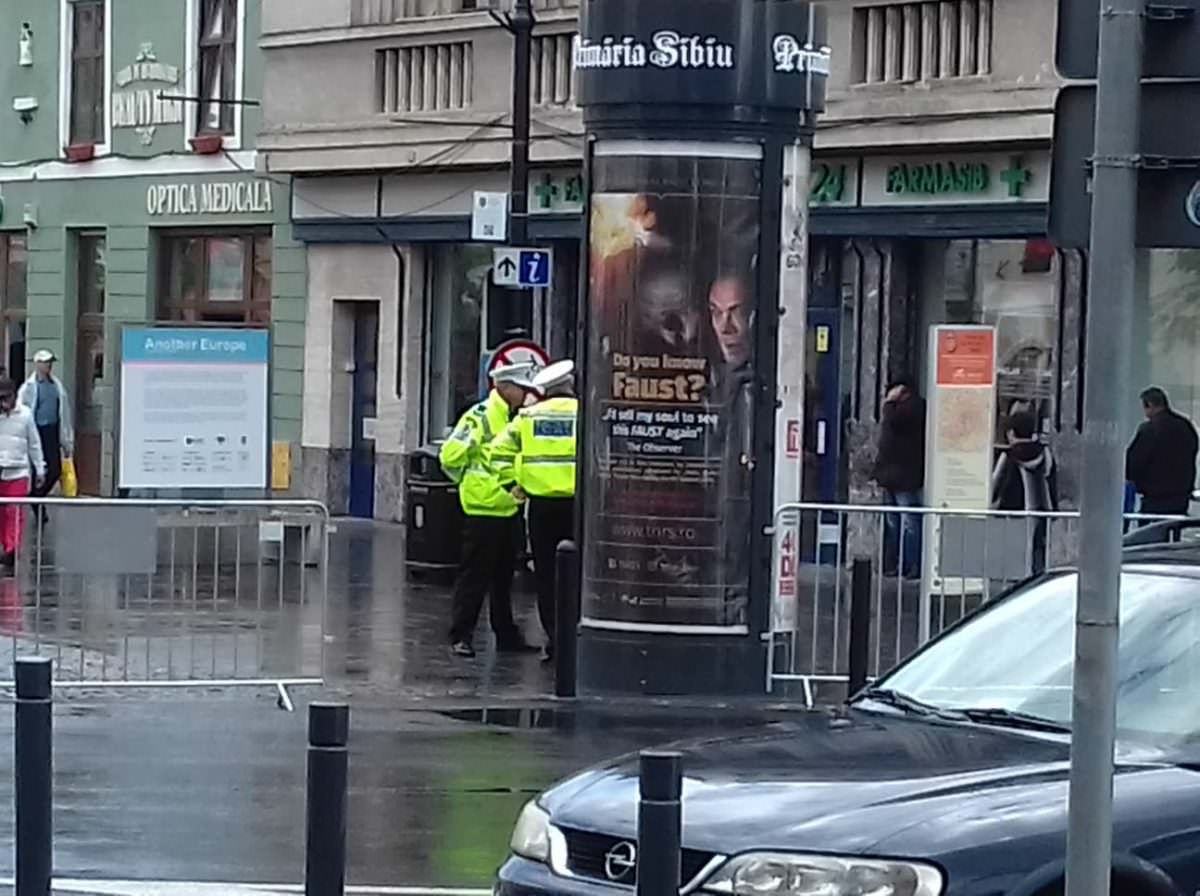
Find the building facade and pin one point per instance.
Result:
(929, 203)
(129, 195)
(390, 116)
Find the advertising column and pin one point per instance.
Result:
(691, 107)
(674, 245)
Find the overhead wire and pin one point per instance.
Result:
(443, 157)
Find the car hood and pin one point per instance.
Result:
(844, 782)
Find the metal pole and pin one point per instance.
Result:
(660, 818)
(791, 294)
(521, 21)
(325, 804)
(860, 624)
(1111, 288)
(34, 777)
(566, 619)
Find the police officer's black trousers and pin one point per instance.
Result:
(489, 554)
(551, 520)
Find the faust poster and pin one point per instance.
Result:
(674, 238)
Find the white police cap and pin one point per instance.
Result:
(520, 374)
(556, 374)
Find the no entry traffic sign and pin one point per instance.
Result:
(518, 351)
(515, 351)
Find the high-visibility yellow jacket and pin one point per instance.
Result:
(464, 459)
(537, 449)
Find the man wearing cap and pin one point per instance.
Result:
(490, 534)
(534, 457)
(45, 395)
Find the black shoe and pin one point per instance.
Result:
(515, 645)
(8, 561)
(463, 649)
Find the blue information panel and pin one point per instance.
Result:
(194, 408)
(535, 268)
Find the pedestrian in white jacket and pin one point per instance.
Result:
(21, 465)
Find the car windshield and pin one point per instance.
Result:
(1018, 656)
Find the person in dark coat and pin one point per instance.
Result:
(1161, 460)
(1026, 478)
(900, 472)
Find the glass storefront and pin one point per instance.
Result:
(466, 316)
(458, 276)
(1166, 342)
(1013, 285)
(216, 277)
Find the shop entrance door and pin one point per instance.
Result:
(821, 533)
(89, 370)
(89, 362)
(822, 412)
(363, 409)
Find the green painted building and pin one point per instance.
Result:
(130, 194)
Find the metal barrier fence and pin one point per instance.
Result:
(957, 560)
(166, 593)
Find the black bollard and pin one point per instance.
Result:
(34, 777)
(660, 818)
(566, 619)
(325, 804)
(860, 624)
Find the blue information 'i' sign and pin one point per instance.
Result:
(535, 268)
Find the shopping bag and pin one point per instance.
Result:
(70, 483)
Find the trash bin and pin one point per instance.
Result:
(434, 519)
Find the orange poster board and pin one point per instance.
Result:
(966, 357)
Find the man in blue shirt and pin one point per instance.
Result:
(45, 395)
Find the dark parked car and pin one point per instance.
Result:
(949, 776)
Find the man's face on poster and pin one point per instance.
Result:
(667, 313)
(729, 307)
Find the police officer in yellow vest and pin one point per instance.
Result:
(534, 457)
(491, 531)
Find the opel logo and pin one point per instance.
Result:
(620, 862)
(1191, 205)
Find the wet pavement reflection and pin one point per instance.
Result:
(209, 784)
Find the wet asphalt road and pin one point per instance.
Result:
(212, 788)
(208, 784)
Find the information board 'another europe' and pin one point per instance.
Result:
(194, 408)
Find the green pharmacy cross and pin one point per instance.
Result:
(552, 190)
(1016, 176)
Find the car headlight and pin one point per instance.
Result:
(531, 836)
(784, 874)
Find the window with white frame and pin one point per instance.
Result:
(217, 34)
(87, 73)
